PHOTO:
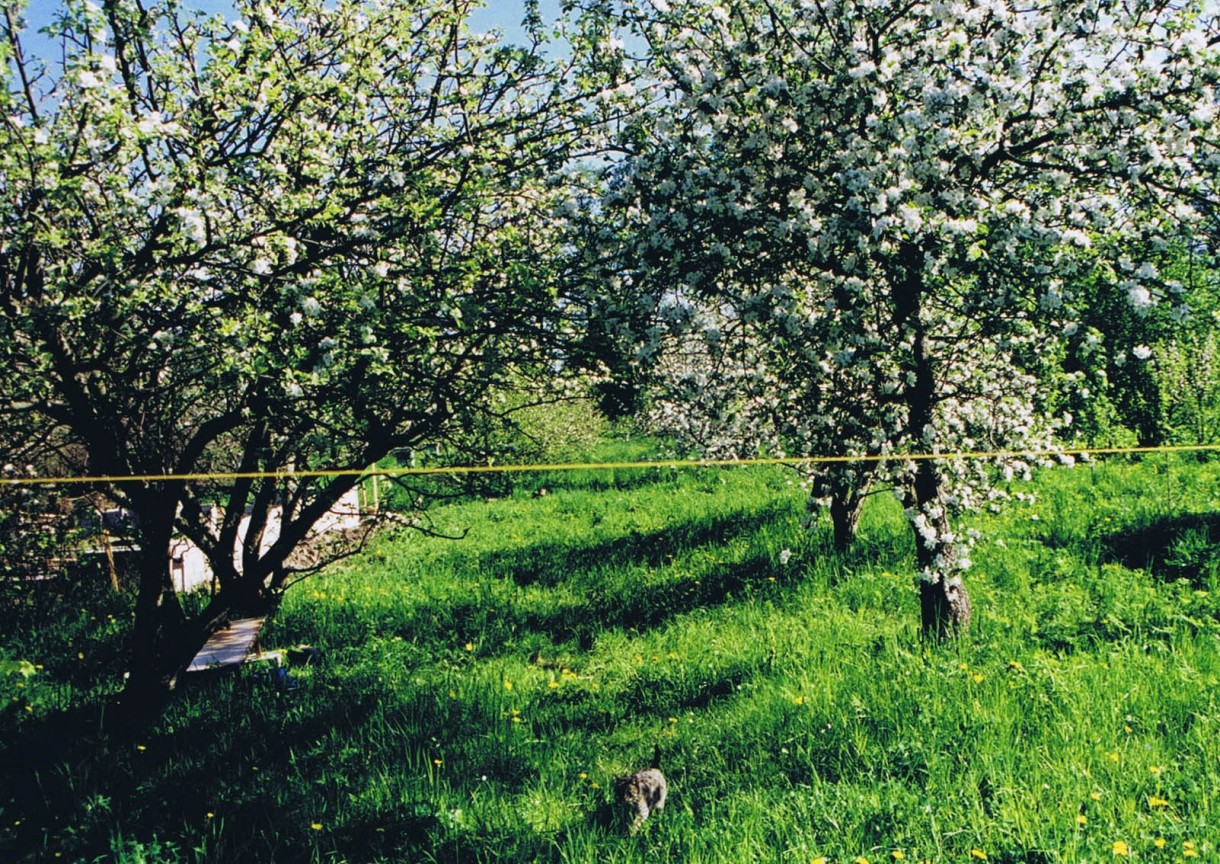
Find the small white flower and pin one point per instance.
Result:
(1141, 352)
(86, 80)
(1139, 297)
(785, 556)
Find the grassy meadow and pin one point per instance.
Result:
(476, 697)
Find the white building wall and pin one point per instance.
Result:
(189, 568)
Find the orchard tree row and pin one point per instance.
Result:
(310, 234)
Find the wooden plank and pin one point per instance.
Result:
(232, 646)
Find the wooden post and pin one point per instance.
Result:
(114, 575)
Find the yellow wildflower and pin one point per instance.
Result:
(1120, 848)
(979, 854)
(1154, 801)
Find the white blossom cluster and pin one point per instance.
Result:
(875, 212)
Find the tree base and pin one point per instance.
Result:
(945, 608)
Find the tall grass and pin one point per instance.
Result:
(477, 697)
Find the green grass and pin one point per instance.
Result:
(478, 696)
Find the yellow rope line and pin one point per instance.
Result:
(596, 466)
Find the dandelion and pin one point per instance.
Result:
(1120, 849)
(141, 747)
(438, 762)
(1096, 796)
(1154, 801)
(508, 685)
(469, 646)
(316, 826)
(1189, 850)
(818, 860)
(1081, 819)
(1112, 756)
(897, 855)
(860, 859)
(1159, 842)
(552, 684)
(977, 677)
(210, 815)
(979, 854)
(799, 700)
(673, 720)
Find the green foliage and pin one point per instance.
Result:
(1171, 395)
(475, 699)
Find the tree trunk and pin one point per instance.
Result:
(157, 614)
(944, 603)
(845, 487)
(164, 639)
(845, 518)
(163, 645)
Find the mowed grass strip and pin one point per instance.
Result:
(477, 697)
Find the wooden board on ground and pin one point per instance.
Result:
(232, 646)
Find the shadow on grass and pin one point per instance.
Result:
(553, 563)
(581, 617)
(1175, 547)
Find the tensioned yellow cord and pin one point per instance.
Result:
(595, 466)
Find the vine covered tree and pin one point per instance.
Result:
(863, 221)
(296, 239)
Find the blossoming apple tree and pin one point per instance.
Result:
(295, 239)
(860, 225)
